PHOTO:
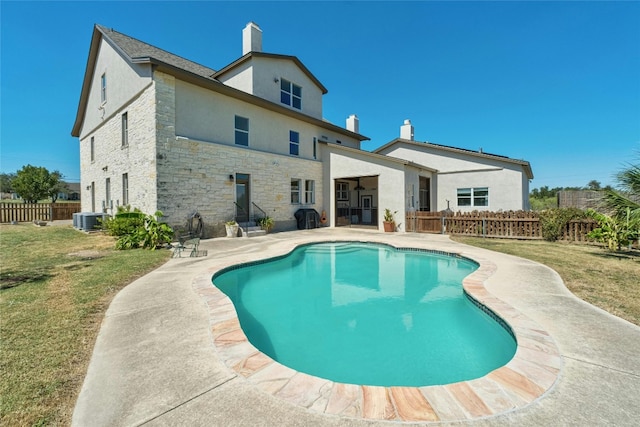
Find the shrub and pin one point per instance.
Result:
(388, 215)
(616, 231)
(267, 223)
(155, 233)
(125, 222)
(554, 221)
(135, 229)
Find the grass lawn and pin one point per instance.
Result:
(55, 285)
(609, 280)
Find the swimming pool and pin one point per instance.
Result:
(367, 314)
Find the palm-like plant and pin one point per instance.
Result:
(627, 201)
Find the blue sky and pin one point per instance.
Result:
(554, 83)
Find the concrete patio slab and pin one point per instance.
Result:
(155, 361)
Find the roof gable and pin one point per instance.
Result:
(138, 51)
(135, 51)
(447, 149)
(235, 64)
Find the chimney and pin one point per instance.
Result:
(353, 123)
(251, 38)
(406, 130)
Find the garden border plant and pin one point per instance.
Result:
(553, 221)
(135, 229)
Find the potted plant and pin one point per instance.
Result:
(232, 228)
(389, 223)
(267, 223)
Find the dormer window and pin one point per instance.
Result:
(290, 94)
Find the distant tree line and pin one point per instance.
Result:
(546, 192)
(33, 183)
(547, 198)
(618, 214)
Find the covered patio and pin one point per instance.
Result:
(356, 201)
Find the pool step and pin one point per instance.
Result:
(332, 248)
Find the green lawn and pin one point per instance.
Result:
(609, 280)
(55, 285)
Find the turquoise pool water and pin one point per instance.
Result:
(367, 314)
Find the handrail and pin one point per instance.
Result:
(260, 209)
(246, 224)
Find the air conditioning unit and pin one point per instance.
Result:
(87, 221)
(91, 220)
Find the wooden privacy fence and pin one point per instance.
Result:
(513, 224)
(27, 212)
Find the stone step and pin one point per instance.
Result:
(252, 231)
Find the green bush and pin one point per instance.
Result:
(553, 221)
(544, 203)
(267, 223)
(135, 229)
(155, 233)
(125, 222)
(616, 231)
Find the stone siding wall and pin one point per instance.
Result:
(112, 160)
(194, 175)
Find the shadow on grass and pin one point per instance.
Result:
(12, 279)
(633, 255)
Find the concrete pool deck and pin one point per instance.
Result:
(159, 359)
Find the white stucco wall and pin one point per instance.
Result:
(457, 170)
(391, 180)
(240, 77)
(505, 192)
(205, 115)
(124, 81)
(257, 76)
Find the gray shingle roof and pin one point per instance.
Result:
(138, 50)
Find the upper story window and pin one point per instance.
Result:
(290, 94)
(92, 149)
(125, 130)
(242, 131)
(473, 196)
(294, 143)
(103, 88)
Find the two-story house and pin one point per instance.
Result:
(160, 132)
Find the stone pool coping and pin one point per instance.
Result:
(531, 373)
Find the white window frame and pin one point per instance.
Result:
(315, 148)
(125, 189)
(342, 191)
(288, 94)
(107, 191)
(473, 196)
(294, 143)
(103, 88)
(309, 192)
(125, 129)
(240, 131)
(295, 191)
